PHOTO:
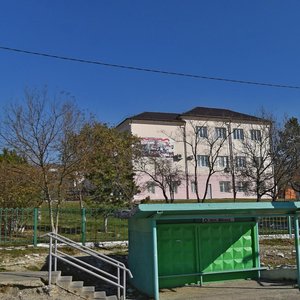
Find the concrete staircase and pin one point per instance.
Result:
(115, 267)
(65, 282)
(78, 288)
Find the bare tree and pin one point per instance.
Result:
(206, 143)
(271, 157)
(213, 146)
(161, 171)
(44, 133)
(287, 147)
(254, 162)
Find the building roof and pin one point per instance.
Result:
(157, 116)
(204, 112)
(249, 209)
(220, 113)
(154, 116)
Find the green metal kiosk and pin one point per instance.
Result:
(171, 245)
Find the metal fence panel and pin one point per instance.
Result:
(275, 225)
(26, 226)
(23, 226)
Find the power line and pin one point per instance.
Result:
(149, 70)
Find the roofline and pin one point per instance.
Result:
(127, 119)
(181, 117)
(131, 120)
(230, 119)
(211, 210)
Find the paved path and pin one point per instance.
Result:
(22, 276)
(231, 290)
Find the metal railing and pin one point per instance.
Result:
(118, 280)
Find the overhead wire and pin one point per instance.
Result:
(150, 70)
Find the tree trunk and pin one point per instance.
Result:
(165, 195)
(80, 199)
(206, 186)
(105, 223)
(196, 183)
(57, 218)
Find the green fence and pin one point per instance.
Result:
(275, 225)
(25, 226)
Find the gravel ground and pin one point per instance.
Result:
(28, 290)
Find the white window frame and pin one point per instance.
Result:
(222, 161)
(255, 134)
(241, 186)
(225, 186)
(203, 160)
(240, 162)
(238, 134)
(175, 186)
(202, 131)
(221, 132)
(258, 162)
(193, 186)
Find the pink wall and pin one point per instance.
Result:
(215, 187)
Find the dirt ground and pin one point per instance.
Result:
(274, 254)
(28, 290)
(277, 253)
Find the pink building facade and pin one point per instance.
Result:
(200, 141)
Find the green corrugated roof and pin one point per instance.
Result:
(217, 209)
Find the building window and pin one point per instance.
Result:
(203, 160)
(174, 186)
(255, 135)
(151, 187)
(258, 162)
(240, 162)
(225, 186)
(201, 131)
(222, 161)
(221, 132)
(193, 186)
(238, 134)
(241, 186)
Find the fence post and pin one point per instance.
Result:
(35, 225)
(83, 226)
(1, 224)
(289, 219)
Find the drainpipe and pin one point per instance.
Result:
(186, 163)
(155, 260)
(231, 160)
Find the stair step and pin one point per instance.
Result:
(76, 286)
(100, 295)
(88, 292)
(88, 289)
(64, 281)
(111, 297)
(56, 275)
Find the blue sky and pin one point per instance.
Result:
(247, 40)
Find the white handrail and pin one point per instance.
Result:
(57, 254)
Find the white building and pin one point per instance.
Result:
(225, 149)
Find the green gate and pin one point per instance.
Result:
(203, 252)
